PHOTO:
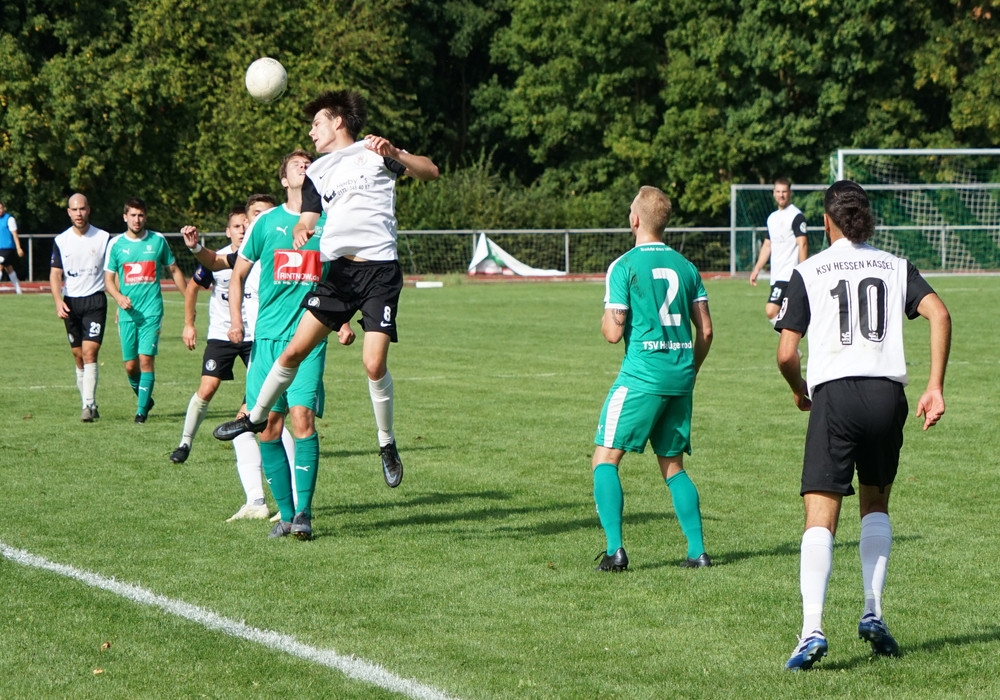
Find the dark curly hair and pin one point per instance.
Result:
(848, 207)
(347, 104)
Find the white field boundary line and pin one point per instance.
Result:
(351, 666)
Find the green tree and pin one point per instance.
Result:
(120, 99)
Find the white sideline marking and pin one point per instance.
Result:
(350, 666)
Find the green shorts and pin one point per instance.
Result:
(140, 337)
(630, 418)
(307, 387)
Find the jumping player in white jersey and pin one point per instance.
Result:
(354, 185)
(852, 299)
(786, 245)
(76, 277)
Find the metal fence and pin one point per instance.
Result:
(731, 249)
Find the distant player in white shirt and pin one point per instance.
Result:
(786, 245)
(76, 278)
(852, 299)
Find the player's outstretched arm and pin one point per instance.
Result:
(208, 259)
(703, 334)
(931, 403)
(420, 167)
(791, 368)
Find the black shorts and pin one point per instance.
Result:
(371, 287)
(87, 318)
(777, 293)
(220, 356)
(8, 256)
(854, 422)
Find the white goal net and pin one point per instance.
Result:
(939, 208)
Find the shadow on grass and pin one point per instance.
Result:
(788, 549)
(498, 515)
(991, 634)
(371, 448)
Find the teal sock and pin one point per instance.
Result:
(134, 383)
(610, 503)
(275, 463)
(145, 391)
(688, 511)
(306, 466)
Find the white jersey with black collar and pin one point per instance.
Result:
(218, 303)
(784, 226)
(81, 258)
(852, 299)
(356, 188)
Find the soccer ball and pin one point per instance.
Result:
(266, 80)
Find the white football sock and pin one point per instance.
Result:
(196, 410)
(79, 384)
(814, 574)
(88, 388)
(17, 284)
(288, 441)
(874, 548)
(248, 465)
(381, 394)
(277, 381)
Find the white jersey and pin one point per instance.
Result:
(356, 188)
(852, 299)
(784, 227)
(81, 258)
(218, 303)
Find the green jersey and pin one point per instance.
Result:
(286, 274)
(137, 262)
(657, 286)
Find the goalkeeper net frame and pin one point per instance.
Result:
(938, 208)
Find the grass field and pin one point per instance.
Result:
(474, 578)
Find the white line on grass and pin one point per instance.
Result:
(350, 666)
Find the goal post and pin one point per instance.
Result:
(938, 208)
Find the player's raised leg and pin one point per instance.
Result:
(309, 333)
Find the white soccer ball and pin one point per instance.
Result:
(266, 80)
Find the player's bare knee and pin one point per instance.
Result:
(303, 422)
(208, 387)
(376, 367)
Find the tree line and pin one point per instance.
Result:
(540, 113)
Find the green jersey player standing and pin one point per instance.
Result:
(653, 297)
(132, 278)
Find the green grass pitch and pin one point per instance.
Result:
(475, 576)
